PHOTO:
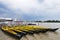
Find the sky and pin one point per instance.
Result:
(30, 9)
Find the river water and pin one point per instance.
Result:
(40, 36)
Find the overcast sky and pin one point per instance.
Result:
(30, 9)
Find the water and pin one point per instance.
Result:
(40, 36)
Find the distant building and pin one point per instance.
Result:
(7, 21)
(10, 21)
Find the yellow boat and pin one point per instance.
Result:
(11, 32)
(32, 29)
(23, 30)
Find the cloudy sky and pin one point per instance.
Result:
(30, 9)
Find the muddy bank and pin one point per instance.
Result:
(40, 36)
(43, 36)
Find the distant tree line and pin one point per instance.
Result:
(48, 21)
(52, 21)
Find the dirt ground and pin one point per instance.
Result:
(40, 36)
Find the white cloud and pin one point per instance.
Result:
(24, 5)
(27, 5)
(45, 8)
